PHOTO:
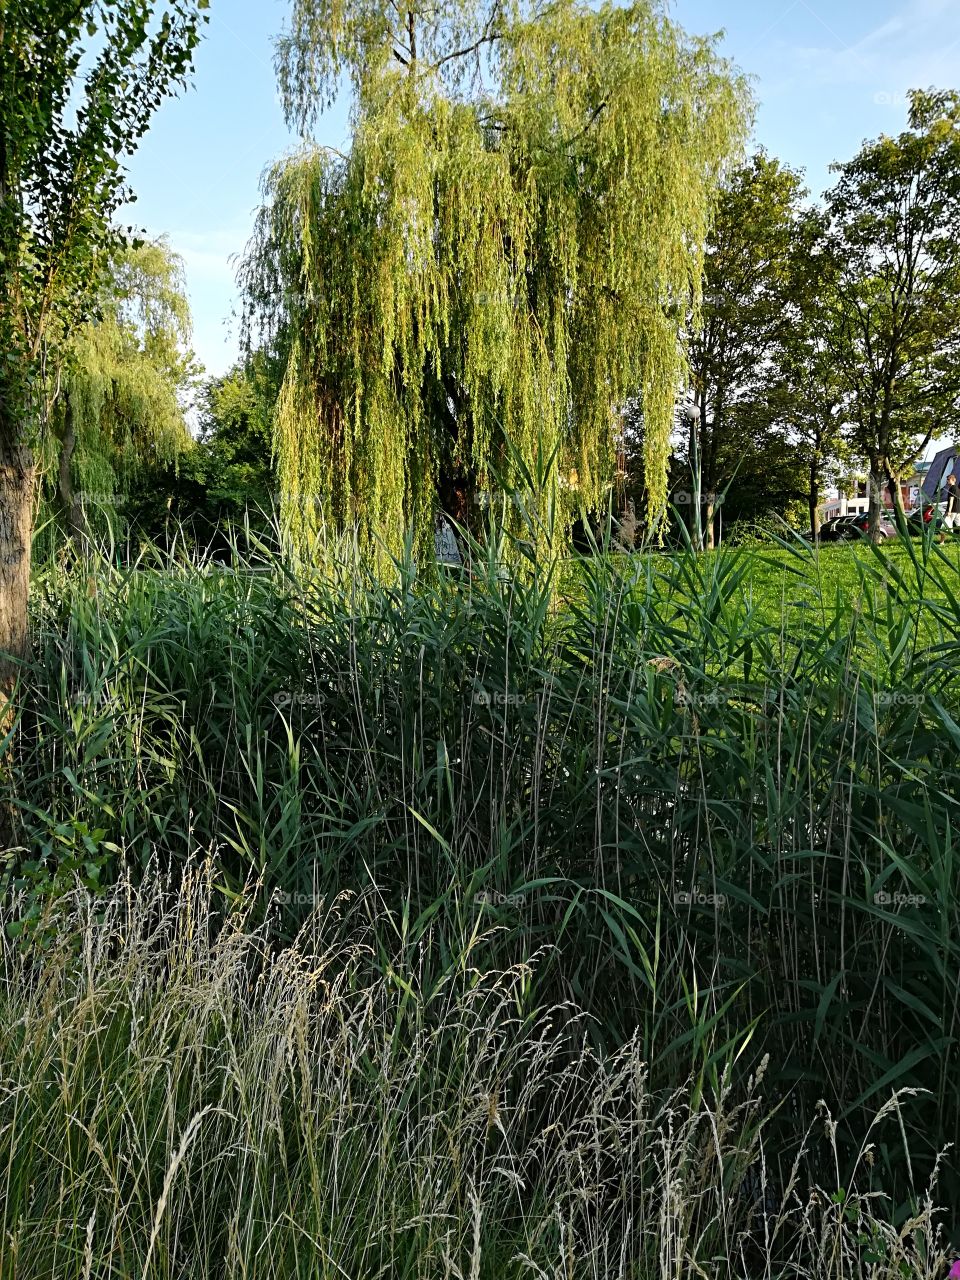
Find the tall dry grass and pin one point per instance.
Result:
(180, 1096)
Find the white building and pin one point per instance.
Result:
(854, 504)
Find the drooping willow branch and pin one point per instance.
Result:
(535, 246)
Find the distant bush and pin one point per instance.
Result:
(768, 529)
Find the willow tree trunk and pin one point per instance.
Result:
(72, 509)
(17, 473)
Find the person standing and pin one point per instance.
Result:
(951, 515)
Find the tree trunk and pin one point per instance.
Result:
(16, 534)
(710, 475)
(876, 496)
(17, 473)
(73, 515)
(698, 435)
(709, 521)
(896, 496)
(814, 500)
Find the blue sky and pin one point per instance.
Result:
(827, 73)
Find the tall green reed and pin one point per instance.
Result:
(720, 789)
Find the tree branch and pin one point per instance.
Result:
(466, 51)
(587, 127)
(489, 37)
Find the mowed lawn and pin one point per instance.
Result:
(890, 607)
(862, 579)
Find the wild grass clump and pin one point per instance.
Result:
(180, 1096)
(718, 794)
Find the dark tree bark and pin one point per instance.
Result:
(896, 497)
(456, 482)
(71, 508)
(17, 476)
(814, 498)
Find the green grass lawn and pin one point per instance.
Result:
(796, 591)
(843, 567)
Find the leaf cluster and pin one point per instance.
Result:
(80, 81)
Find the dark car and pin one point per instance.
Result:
(859, 527)
(834, 530)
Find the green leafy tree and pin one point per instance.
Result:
(225, 481)
(733, 355)
(504, 255)
(237, 432)
(126, 381)
(79, 83)
(890, 291)
(810, 403)
(807, 391)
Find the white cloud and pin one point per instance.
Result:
(918, 47)
(209, 253)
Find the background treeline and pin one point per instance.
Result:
(828, 342)
(143, 449)
(825, 344)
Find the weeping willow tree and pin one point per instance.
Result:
(506, 254)
(123, 382)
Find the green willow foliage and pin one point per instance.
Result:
(505, 255)
(124, 376)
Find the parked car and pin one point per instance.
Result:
(832, 530)
(859, 527)
(925, 517)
